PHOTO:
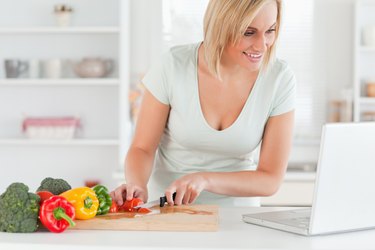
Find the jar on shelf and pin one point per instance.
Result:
(63, 15)
(370, 88)
(368, 116)
(341, 108)
(334, 111)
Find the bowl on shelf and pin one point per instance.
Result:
(91, 67)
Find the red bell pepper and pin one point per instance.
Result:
(114, 207)
(56, 214)
(144, 210)
(128, 206)
(44, 195)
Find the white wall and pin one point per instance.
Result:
(145, 29)
(334, 43)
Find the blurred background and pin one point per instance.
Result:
(70, 87)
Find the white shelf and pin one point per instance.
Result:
(367, 100)
(300, 176)
(71, 142)
(60, 30)
(61, 82)
(366, 49)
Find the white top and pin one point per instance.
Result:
(189, 144)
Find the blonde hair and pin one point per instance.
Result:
(226, 21)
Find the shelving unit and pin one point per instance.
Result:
(101, 103)
(364, 59)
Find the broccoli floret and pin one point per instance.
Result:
(19, 209)
(55, 186)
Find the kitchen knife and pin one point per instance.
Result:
(161, 202)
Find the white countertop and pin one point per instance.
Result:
(233, 234)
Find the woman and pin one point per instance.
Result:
(207, 107)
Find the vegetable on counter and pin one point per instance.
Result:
(144, 210)
(55, 186)
(114, 207)
(44, 195)
(84, 201)
(105, 200)
(128, 206)
(56, 214)
(19, 209)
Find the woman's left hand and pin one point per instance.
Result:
(187, 188)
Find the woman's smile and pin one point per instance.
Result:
(253, 57)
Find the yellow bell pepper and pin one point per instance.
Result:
(84, 201)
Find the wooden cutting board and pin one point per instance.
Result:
(168, 218)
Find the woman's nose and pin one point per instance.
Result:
(260, 42)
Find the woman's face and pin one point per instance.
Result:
(251, 49)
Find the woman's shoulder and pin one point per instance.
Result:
(183, 49)
(279, 66)
(181, 53)
(278, 74)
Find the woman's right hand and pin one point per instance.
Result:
(128, 192)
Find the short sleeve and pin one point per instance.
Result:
(156, 81)
(285, 98)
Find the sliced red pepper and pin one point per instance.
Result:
(114, 207)
(44, 195)
(56, 214)
(144, 210)
(128, 206)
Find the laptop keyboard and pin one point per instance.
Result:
(302, 222)
(296, 218)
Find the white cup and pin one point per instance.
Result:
(52, 68)
(63, 19)
(34, 68)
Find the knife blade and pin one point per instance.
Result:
(161, 202)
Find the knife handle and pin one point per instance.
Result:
(163, 199)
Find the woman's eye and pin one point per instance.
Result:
(249, 33)
(271, 30)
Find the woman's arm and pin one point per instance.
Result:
(151, 122)
(265, 181)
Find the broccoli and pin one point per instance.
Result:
(18, 209)
(55, 186)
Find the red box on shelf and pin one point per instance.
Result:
(50, 127)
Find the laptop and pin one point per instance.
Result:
(344, 191)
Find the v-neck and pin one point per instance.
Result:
(244, 108)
